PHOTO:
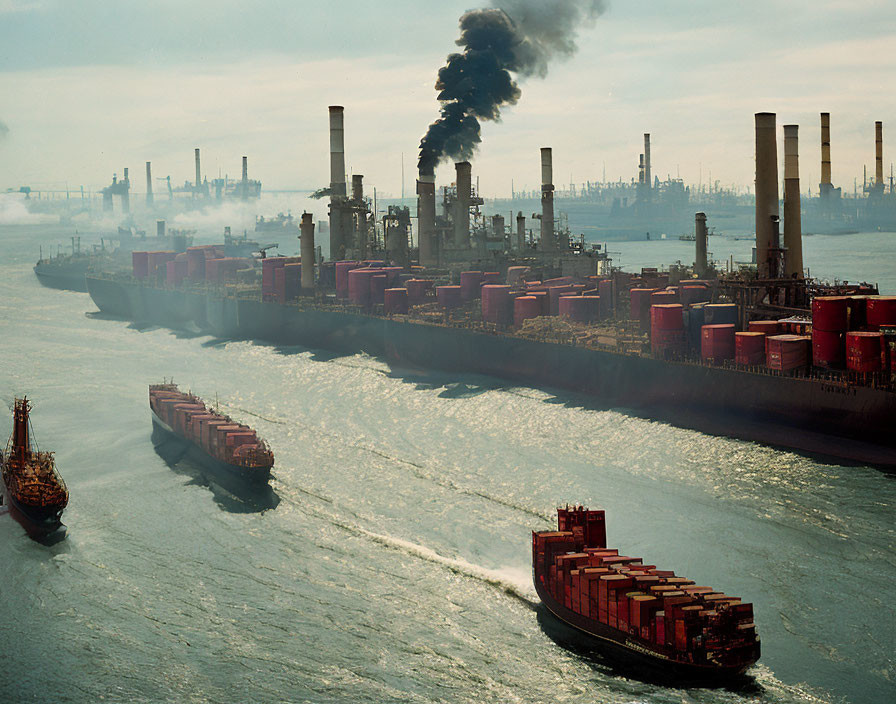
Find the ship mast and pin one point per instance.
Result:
(21, 440)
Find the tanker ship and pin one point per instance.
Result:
(635, 610)
(213, 439)
(762, 352)
(36, 493)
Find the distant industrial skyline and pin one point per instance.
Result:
(89, 91)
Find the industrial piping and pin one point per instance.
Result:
(547, 200)
(766, 186)
(337, 182)
(307, 252)
(793, 236)
(701, 264)
(464, 180)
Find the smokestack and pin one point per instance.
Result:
(647, 178)
(125, 192)
(766, 186)
(307, 252)
(498, 225)
(337, 182)
(825, 186)
(198, 170)
(700, 264)
(245, 186)
(520, 231)
(547, 200)
(426, 219)
(148, 184)
(359, 224)
(793, 235)
(462, 204)
(357, 187)
(879, 156)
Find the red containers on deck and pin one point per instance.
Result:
(830, 313)
(667, 328)
(864, 351)
(496, 304)
(342, 270)
(694, 294)
(605, 290)
(828, 348)
(581, 309)
(176, 272)
(858, 312)
(786, 352)
(880, 311)
(659, 298)
(470, 281)
(292, 275)
(749, 348)
(717, 342)
(491, 277)
(359, 285)
(639, 306)
(140, 264)
(525, 307)
(449, 296)
(268, 267)
(395, 301)
(378, 284)
(769, 327)
(554, 294)
(544, 301)
(417, 289)
(279, 285)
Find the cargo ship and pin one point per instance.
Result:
(634, 610)
(212, 438)
(35, 491)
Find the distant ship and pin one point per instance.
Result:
(212, 439)
(36, 493)
(635, 610)
(283, 224)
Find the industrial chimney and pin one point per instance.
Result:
(125, 192)
(148, 184)
(307, 252)
(337, 182)
(426, 219)
(793, 236)
(464, 178)
(766, 186)
(700, 264)
(547, 200)
(359, 223)
(245, 186)
(520, 231)
(647, 177)
(879, 157)
(198, 171)
(825, 187)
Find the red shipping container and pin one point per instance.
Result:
(749, 348)
(417, 289)
(828, 348)
(449, 296)
(717, 342)
(787, 352)
(496, 304)
(830, 313)
(880, 312)
(140, 264)
(769, 327)
(378, 284)
(470, 283)
(639, 303)
(659, 621)
(864, 351)
(395, 301)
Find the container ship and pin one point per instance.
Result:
(213, 439)
(36, 493)
(633, 609)
(760, 352)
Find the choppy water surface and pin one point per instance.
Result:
(396, 565)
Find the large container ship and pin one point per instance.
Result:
(36, 493)
(634, 609)
(212, 438)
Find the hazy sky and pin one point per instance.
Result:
(90, 87)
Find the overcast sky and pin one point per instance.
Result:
(90, 87)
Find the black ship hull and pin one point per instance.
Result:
(826, 418)
(233, 477)
(62, 277)
(624, 648)
(40, 522)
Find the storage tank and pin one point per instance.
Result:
(448, 296)
(667, 328)
(881, 311)
(864, 351)
(828, 348)
(395, 301)
(524, 308)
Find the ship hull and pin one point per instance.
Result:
(623, 647)
(162, 432)
(826, 418)
(39, 522)
(64, 278)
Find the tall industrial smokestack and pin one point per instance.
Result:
(879, 156)
(198, 170)
(464, 181)
(520, 231)
(647, 177)
(426, 219)
(824, 188)
(359, 224)
(245, 185)
(125, 192)
(793, 235)
(766, 186)
(307, 251)
(547, 200)
(700, 264)
(337, 182)
(148, 183)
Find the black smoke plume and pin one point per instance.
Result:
(511, 38)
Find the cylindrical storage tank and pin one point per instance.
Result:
(524, 308)
(554, 293)
(720, 314)
(769, 327)
(864, 351)
(342, 270)
(496, 305)
(448, 296)
(393, 272)
(880, 311)
(660, 298)
(828, 348)
(787, 352)
(605, 290)
(639, 303)
(749, 348)
(395, 301)
(544, 301)
(140, 264)
(491, 277)
(858, 312)
(717, 342)
(830, 313)
(378, 284)
(470, 281)
(667, 328)
(581, 309)
(359, 286)
(417, 289)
